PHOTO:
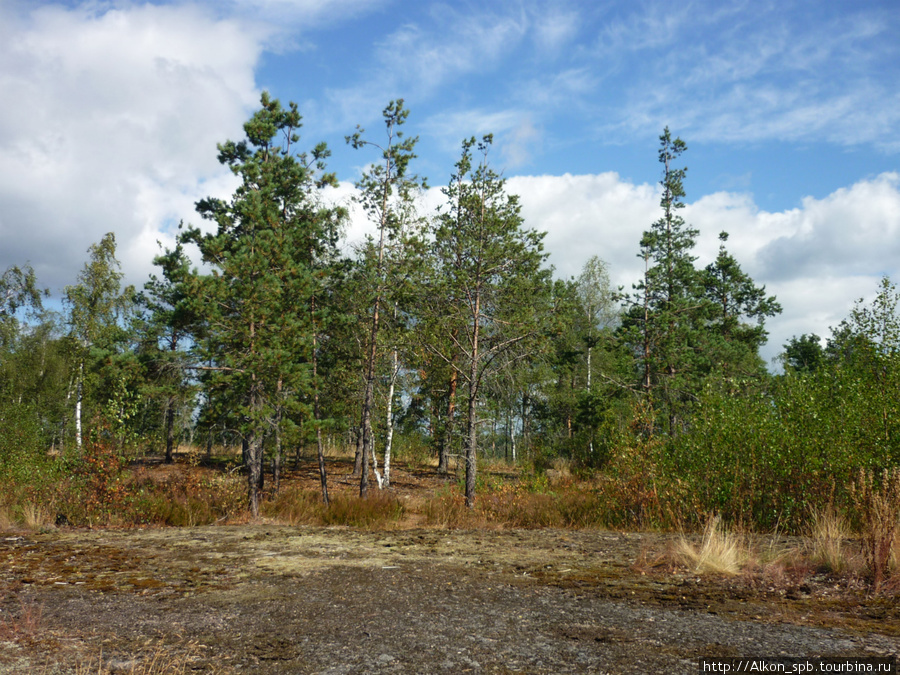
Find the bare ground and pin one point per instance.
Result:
(269, 599)
(264, 598)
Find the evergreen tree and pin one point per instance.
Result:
(732, 344)
(488, 290)
(803, 354)
(664, 320)
(165, 326)
(266, 257)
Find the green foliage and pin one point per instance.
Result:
(731, 344)
(18, 290)
(268, 255)
(386, 192)
(486, 293)
(773, 455)
(663, 320)
(164, 325)
(99, 313)
(27, 472)
(803, 354)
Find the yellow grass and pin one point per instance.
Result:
(720, 552)
(35, 516)
(829, 532)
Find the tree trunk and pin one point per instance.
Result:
(368, 405)
(471, 446)
(358, 459)
(471, 422)
(389, 439)
(276, 459)
(253, 445)
(320, 451)
(446, 442)
(79, 398)
(170, 430)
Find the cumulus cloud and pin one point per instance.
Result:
(853, 231)
(817, 259)
(110, 123)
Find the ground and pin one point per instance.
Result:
(267, 598)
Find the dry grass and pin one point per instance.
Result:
(7, 522)
(160, 662)
(380, 510)
(877, 507)
(720, 552)
(828, 535)
(25, 624)
(35, 517)
(28, 515)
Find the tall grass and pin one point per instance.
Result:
(876, 504)
(720, 552)
(829, 533)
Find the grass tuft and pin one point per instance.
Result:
(829, 531)
(720, 552)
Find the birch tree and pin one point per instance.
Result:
(97, 306)
(386, 193)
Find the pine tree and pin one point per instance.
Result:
(489, 291)
(266, 257)
(165, 326)
(663, 322)
(732, 344)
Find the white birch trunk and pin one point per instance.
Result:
(395, 367)
(79, 397)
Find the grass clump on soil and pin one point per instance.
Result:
(720, 552)
(159, 662)
(828, 535)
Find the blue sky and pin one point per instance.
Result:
(791, 113)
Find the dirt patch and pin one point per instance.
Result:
(270, 599)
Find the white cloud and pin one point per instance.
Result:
(854, 231)
(300, 14)
(588, 215)
(110, 123)
(817, 259)
(450, 128)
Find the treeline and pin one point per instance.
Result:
(444, 331)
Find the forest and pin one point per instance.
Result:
(443, 341)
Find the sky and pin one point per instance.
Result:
(111, 112)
